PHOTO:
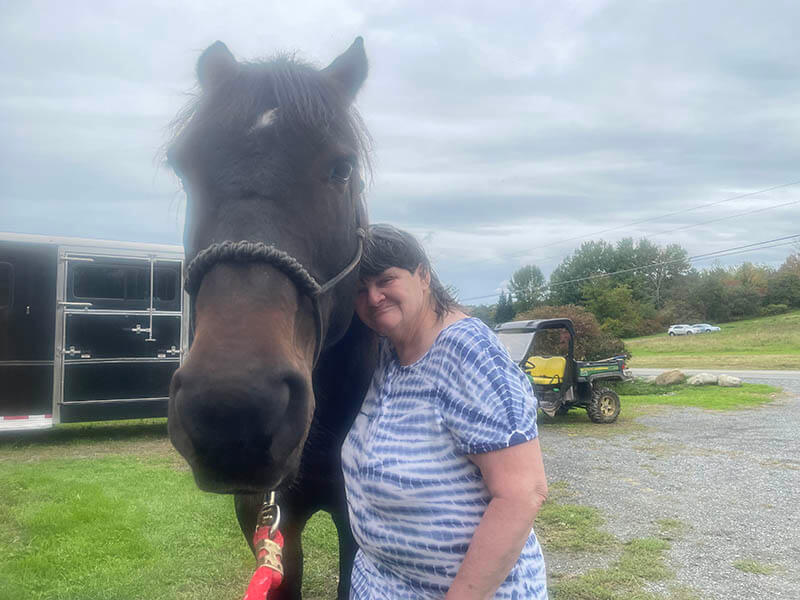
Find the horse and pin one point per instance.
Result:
(271, 155)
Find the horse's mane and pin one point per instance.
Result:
(306, 100)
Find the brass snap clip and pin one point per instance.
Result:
(269, 515)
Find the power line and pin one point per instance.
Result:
(746, 251)
(649, 219)
(741, 214)
(709, 255)
(684, 227)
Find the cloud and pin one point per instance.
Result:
(498, 129)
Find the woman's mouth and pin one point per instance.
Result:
(379, 311)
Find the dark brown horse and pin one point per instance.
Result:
(270, 155)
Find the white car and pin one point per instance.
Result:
(705, 328)
(682, 330)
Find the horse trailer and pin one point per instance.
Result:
(90, 330)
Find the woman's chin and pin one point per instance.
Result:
(382, 331)
(384, 327)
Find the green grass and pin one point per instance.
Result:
(571, 527)
(109, 510)
(763, 343)
(755, 567)
(576, 423)
(671, 529)
(639, 398)
(642, 560)
(639, 394)
(566, 527)
(321, 558)
(115, 527)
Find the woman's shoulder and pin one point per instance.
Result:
(469, 336)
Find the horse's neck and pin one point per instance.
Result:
(342, 376)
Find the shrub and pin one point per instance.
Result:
(651, 326)
(773, 309)
(614, 327)
(591, 342)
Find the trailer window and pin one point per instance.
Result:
(137, 284)
(166, 284)
(6, 284)
(111, 282)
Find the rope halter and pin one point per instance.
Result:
(244, 251)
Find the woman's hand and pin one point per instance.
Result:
(516, 481)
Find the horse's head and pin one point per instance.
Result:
(270, 155)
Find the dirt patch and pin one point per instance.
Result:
(721, 487)
(91, 440)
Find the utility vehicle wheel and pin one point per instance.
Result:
(603, 406)
(671, 334)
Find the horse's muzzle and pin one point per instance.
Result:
(239, 432)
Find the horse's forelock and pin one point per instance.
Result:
(308, 103)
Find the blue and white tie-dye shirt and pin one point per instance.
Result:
(414, 498)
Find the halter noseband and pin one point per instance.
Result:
(249, 252)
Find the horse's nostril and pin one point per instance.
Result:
(235, 408)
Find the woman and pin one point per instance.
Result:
(443, 470)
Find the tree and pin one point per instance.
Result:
(527, 285)
(592, 258)
(747, 289)
(784, 285)
(482, 312)
(681, 301)
(504, 311)
(711, 294)
(791, 264)
(646, 268)
(615, 308)
(669, 265)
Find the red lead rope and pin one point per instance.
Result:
(268, 543)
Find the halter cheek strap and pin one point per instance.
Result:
(249, 252)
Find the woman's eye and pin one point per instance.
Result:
(341, 172)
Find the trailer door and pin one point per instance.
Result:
(27, 309)
(120, 318)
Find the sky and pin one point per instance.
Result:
(504, 134)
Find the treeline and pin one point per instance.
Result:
(638, 288)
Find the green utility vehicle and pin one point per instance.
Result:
(545, 349)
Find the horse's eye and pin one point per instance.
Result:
(341, 172)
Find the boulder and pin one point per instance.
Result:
(670, 377)
(702, 379)
(729, 381)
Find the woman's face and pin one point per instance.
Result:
(393, 302)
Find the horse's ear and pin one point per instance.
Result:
(215, 65)
(349, 70)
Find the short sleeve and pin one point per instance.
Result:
(486, 401)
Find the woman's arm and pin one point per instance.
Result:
(516, 481)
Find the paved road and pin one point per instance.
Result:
(733, 479)
(752, 376)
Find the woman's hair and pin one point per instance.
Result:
(387, 246)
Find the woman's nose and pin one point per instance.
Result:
(375, 296)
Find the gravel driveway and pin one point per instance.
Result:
(733, 478)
